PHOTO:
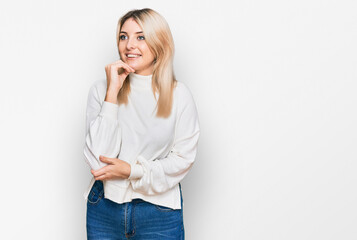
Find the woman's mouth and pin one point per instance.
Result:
(132, 56)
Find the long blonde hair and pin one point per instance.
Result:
(159, 40)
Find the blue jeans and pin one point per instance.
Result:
(138, 219)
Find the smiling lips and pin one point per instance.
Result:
(131, 55)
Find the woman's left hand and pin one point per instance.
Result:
(116, 168)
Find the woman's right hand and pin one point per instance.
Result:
(116, 73)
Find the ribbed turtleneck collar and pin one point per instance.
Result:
(140, 81)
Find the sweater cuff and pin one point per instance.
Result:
(137, 171)
(110, 110)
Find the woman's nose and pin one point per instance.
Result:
(131, 44)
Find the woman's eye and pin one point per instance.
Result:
(121, 37)
(143, 38)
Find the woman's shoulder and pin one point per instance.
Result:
(98, 87)
(97, 91)
(183, 93)
(181, 88)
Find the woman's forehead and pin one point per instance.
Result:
(131, 26)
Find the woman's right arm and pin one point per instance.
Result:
(103, 132)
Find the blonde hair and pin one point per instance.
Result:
(160, 42)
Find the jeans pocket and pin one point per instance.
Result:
(96, 193)
(163, 208)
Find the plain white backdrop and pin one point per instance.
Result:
(275, 86)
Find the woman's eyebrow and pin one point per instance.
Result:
(127, 33)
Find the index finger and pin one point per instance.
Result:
(100, 171)
(125, 64)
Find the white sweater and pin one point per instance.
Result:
(161, 151)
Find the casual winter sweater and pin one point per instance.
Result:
(160, 151)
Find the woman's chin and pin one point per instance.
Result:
(134, 66)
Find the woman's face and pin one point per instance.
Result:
(132, 41)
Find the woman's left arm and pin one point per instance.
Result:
(160, 175)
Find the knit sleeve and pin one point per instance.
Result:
(160, 175)
(103, 132)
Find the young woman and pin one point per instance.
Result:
(142, 132)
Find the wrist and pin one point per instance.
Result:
(112, 96)
(128, 171)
